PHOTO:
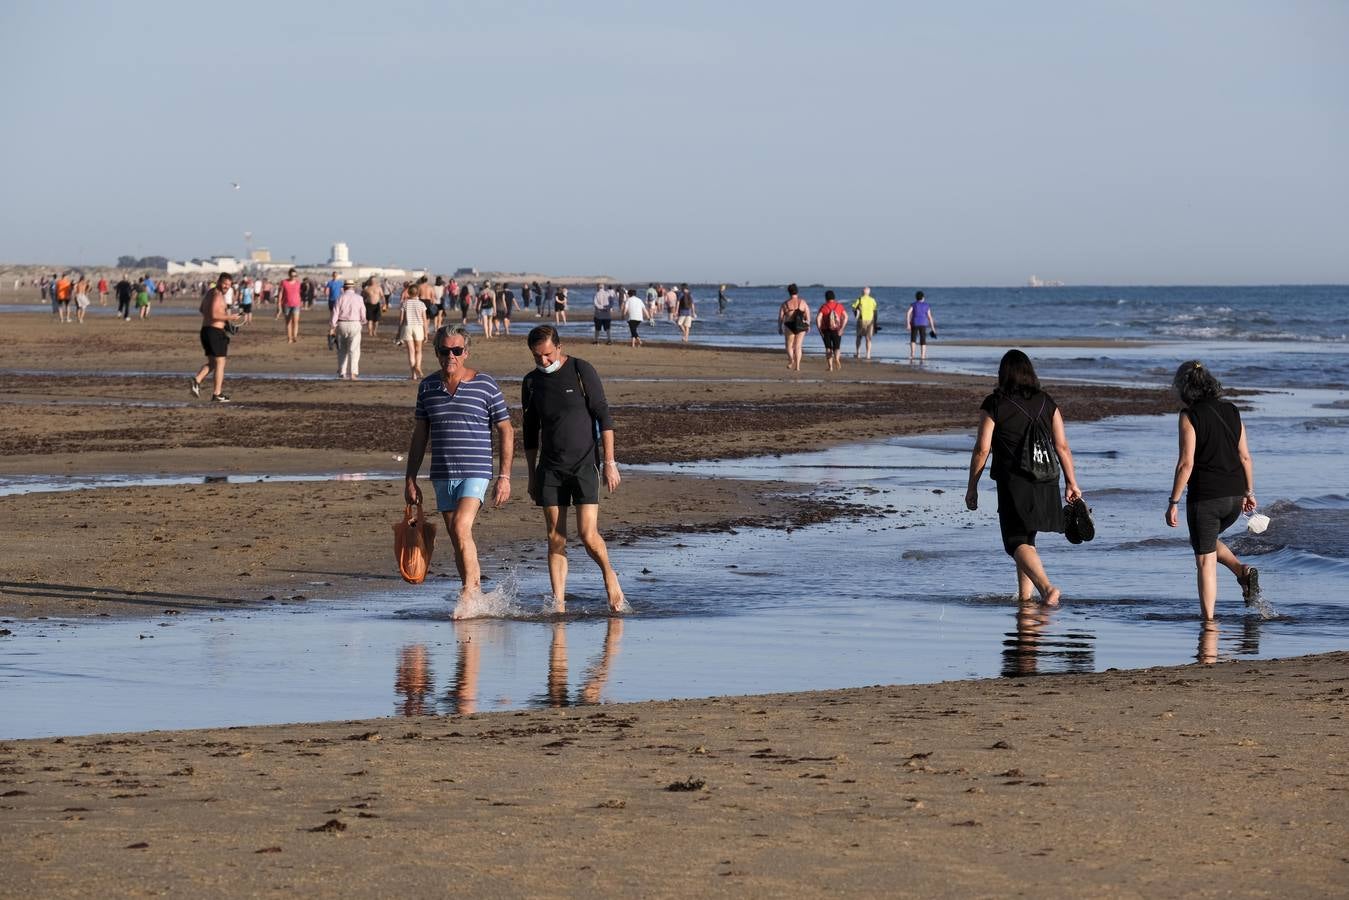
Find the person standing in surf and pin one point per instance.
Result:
(1026, 506)
(457, 409)
(568, 441)
(1214, 469)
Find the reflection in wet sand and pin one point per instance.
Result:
(596, 674)
(1027, 650)
(1245, 644)
(413, 681)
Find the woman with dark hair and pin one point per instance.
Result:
(1026, 506)
(1214, 469)
(793, 323)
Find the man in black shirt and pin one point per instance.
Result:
(564, 411)
(123, 291)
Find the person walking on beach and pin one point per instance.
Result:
(62, 289)
(1214, 470)
(635, 311)
(143, 299)
(412, 332)
(865, 329)
(560, 306)
(603, 314)
(246, 302)
(921, 323)
(564, 409)
(505, 301)
(793, 323)
(335, 288)
(1026, 504)
(487, 306)
(123, 291)
(685, 312)
(375, 304)
(102, 291)
(722, 300)
(81, 298)
(830, 321)
(345, 324)
(291, 301)
(457, 409)
(215, 340)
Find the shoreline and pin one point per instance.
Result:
(672, 404)
(1184, 780)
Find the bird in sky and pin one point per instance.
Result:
(235, 184)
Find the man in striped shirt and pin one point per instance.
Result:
(457, 408)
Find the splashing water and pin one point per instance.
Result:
(500, 602)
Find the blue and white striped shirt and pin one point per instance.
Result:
(461, 425)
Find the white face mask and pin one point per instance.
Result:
(551, 367)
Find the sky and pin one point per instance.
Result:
(970, 143)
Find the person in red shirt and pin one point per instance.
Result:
(831, 320)
(103, 292)
(289, 306)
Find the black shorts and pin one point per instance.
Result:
(602, 325)
(633, 324)
(918, 334)
(569, 487)
(1209, 518)
(832, 339)
(215, 341)
(373, 312)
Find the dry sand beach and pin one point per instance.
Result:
(1227, 779)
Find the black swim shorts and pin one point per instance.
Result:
(565, 487)
(633, 325)
(832, 339)
(1209, 518)
(918, 334)
(602, 325)
(215, 341)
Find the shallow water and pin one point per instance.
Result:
(920, 593)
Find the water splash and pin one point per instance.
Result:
(500, 602)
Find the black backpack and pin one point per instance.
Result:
(1037, 459)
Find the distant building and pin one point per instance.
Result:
(260, 255)
(466, 272)
(211, 265)
(340, 258)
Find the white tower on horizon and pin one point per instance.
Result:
(341, 257)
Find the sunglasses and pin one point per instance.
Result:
(450, 351)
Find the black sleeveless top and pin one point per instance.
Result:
(1010, 425)
(1217, 464)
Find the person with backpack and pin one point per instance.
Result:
(568, 438)
(793, 323)
(1021, 425)
(830, 321)
(1214, 469)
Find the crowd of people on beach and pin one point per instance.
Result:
(569, 436)
(831, 321)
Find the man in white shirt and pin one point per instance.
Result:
(345, 324)
(635, 310)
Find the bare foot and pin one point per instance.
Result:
(1051, 596)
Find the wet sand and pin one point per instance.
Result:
(1197, 780)
(112, 399)
(1227, 780)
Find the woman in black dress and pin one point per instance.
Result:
(1025, 506)
(1214, 468)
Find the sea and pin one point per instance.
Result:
(917, 590)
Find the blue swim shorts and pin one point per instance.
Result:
(449, 491)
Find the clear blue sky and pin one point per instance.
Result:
(879, 142)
